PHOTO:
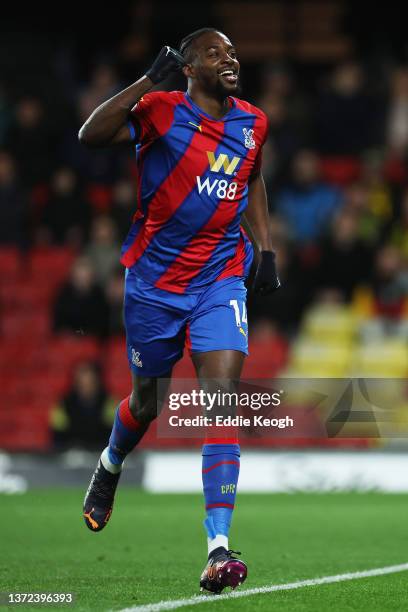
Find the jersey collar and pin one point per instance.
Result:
(200, 111)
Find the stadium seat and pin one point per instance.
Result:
(118, 382)
(265, 358)
(7, 390)
(24, 294)
(7, 425)
(311, 358)
(23, 354)
(387, 358)
(52, 264)
(9, 352)
(48, 387)
(115, 346)
(340, 170)
(184, 368)
(24, 430)
(330, 323)
(67, 349)
(116, 362)
(19, 325)
(100, 197)
(10, 263)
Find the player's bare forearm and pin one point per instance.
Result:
(256, 216)
(108, 123)
(248, 229)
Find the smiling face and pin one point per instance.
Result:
(213, 64)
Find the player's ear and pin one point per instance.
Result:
(188, 71)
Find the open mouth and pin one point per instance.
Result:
(229, 75)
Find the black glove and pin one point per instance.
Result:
(266, 278)
(168, 60)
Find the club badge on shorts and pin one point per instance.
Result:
(136, 358)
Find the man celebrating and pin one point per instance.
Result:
(199, 169)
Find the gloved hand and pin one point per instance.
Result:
(266, 278)
(169, 60)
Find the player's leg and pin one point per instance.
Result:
(132, 419)
(220, 471)
(155, 338)
(221, 325)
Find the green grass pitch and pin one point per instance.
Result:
(154, 549)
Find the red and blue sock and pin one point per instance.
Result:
(126, 433)
(220, 471)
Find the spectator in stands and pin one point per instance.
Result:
(84, 416)
(31, 139)
(390, 283)
(399, 230)
(103, 250)
(103, 85)
(5, 113)
(283, 310)
(123, 205)
(288, 112)
(283, 138)
(357, 201)
(308, 204)
(100, 167)
(380, 194)
(280, 232)
(81, 306)
(397, 113)
(346, 119)
(115, 295)
(13, 204)
(385, 302)
(280, 80)
(66, 215)
(263, 330)
(345, 259)
(134, 47)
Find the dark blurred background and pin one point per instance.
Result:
(332, 77)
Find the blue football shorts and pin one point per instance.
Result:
(160, 323)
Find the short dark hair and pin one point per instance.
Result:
(185, 45)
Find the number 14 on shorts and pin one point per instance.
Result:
(238, 317)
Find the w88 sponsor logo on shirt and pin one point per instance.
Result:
(221, 187)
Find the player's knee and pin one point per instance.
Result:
(143, 412)
(143, 400)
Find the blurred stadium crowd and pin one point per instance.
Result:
(335, 167)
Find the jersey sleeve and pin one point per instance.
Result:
(144, 118)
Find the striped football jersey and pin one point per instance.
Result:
(193, 173)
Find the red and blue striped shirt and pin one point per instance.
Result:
(193, 174)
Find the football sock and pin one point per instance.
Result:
(113, 468)
(220, 477)
(219, 540)
(126, 434)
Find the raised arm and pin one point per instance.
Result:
(256, 222)
(108, 124)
